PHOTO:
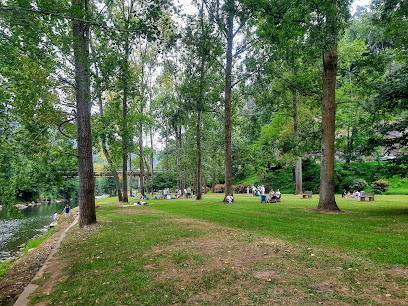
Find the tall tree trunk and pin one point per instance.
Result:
(148, 173)
(193, 176)
(227, 104)
(151, 145)
(130, 174)
(167, 152)
(298, 167)
(125, 136)
(80, 33)
(182, 182)
(199, 189)
(124, 171)
(213, 181)
(177, 158)
(141, 162)
(327, 200)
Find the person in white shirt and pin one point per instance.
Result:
(229, 199)
(278, 194)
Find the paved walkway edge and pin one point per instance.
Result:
(30, 288)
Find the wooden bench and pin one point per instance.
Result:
(368, 195)
(307, 194)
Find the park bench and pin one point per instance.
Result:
(370, 197)
(307, 194)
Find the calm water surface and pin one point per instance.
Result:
(32, 223)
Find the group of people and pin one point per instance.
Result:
(348, 195)
(178, 193)
(260, 191)
(274, 195)
(256, 191)
(66, 210)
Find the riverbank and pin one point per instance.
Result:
(22, 270)
(30, 204)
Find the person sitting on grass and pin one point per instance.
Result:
(229, 199)
(356, 194)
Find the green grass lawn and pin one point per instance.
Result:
(376, 231)
(398, 185)
(210, 253)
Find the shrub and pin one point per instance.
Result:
(380, 186)
(358, 185)
(282, 179)
(162, 180)
(219, 188)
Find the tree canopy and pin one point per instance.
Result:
(237, 92)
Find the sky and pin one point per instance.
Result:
(359, 3)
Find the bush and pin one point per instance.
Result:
(358, 185)
(219, 188)
(162, 180)
(380, 186)
(282, 179)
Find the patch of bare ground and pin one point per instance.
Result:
(138, 210)
(24, 269)
(234, 266)
(399, 272)
(325, 211)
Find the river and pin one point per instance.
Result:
(33, 222)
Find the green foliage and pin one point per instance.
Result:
(105, 185)
(162, 180)
(311, 175)
(281, 179)
(4, 266)
(398, 185)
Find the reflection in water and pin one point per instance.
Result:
(29, 223)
